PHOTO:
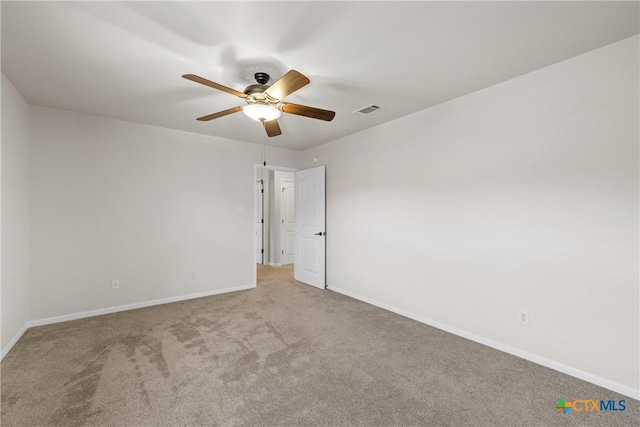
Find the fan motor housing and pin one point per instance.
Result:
(257, 88)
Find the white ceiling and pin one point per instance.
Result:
(124, 59)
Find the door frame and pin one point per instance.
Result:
(260, 167)
(259, 201)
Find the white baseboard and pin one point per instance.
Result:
(7, 348)
(275, 264)
(585, 376)
(108, 310)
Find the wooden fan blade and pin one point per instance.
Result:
(289, 83)
(219, 114)
(272, 127)
(214, 85)
(303, 110)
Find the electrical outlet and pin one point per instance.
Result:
(115, 284)
(193, 275)
(523, 317)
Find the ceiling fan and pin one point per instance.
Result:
(264, 101)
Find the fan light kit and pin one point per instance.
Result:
(264, 101)
(261, 112)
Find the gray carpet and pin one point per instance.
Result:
(282, 354)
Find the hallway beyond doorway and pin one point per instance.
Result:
(269, 275)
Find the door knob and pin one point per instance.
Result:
(321, 233)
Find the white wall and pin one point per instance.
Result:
(113, 199)
(15, 212)
(520, 196)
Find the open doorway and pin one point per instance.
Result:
(274, 213)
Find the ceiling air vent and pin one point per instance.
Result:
(367, 110)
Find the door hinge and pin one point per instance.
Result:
(283, 220)
(262, 191)
(261, 251)
(283, 252)
(262, 221)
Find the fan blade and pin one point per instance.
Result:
(303, 110)
(289, 83)
(272, 127)
(219, 114)
(214, 85)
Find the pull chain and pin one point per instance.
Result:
(264, 156)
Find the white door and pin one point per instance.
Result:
(310, 227)
(259, 223)
(287, 223)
